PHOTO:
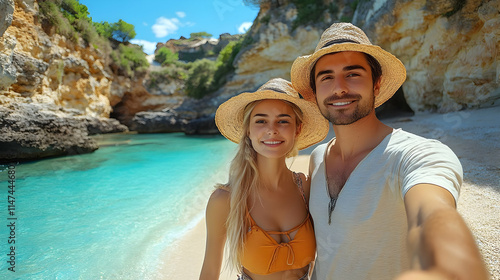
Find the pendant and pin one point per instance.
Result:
(331, 206)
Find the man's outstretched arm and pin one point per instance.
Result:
(441, 245)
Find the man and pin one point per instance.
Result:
(383, 200)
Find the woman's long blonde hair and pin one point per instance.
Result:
(243, 181)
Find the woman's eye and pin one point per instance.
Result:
(283, 121)
(260, 121)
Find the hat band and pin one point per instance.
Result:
(338, 41)
(273, 89)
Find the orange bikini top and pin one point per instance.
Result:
(263, 255)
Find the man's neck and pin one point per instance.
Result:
(359, 137)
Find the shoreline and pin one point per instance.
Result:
(473, 135)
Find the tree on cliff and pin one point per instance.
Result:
(200, 35)
(123, 31)
(104, 28)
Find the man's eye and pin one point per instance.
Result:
(326, 78)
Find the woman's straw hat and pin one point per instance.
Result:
(229, 115)
(347, 37)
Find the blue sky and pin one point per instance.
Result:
(158, 21)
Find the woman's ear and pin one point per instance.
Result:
(299, 129)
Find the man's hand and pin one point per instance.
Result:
(422, 275)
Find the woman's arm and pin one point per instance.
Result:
(216, 216)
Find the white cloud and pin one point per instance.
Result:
(148, 47)
(181, 14)
(244, 27)
(165, 26)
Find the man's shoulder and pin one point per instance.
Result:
(406, 142)
(407, 139)
(319, 151)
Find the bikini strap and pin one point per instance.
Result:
(223, 187)
(298, 182)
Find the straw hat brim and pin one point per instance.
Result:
(229, 117)
(393, 70)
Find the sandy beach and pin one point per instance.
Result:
(473, 135)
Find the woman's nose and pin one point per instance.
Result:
(272, 129)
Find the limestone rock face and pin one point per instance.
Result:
(273, 48)
(451, 51)
(157, 122)
(204, 125)
(6, 13)
(50, 69)
(131, 96)
(30, 132)
(53, 92)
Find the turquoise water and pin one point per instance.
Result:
(113, 213)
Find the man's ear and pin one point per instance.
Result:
(376, 87)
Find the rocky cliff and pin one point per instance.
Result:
(53, 92)
(450, 48)
(198, 48)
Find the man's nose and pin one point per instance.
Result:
(339, 86)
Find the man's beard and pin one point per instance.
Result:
(339, 117)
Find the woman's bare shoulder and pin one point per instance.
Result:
(220, 197)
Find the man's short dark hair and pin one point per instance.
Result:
(374, 66)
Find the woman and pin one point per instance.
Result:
(262, 211)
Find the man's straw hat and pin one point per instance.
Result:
(347, 37)
(229, 115)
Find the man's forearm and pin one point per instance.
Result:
(443, 244)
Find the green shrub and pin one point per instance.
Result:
(265, 19)
(210, 53)
(354, 5)
(73, 10)
(206, 76)
(200, 77)
(86, 30)
(165, 56)
(333, 9)
(200, 35)
(130, 59)
(104, 29)
(308, 11)
(70, 19)
(173, 72)
(191, 56)
(51, 13)
(224, 63)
